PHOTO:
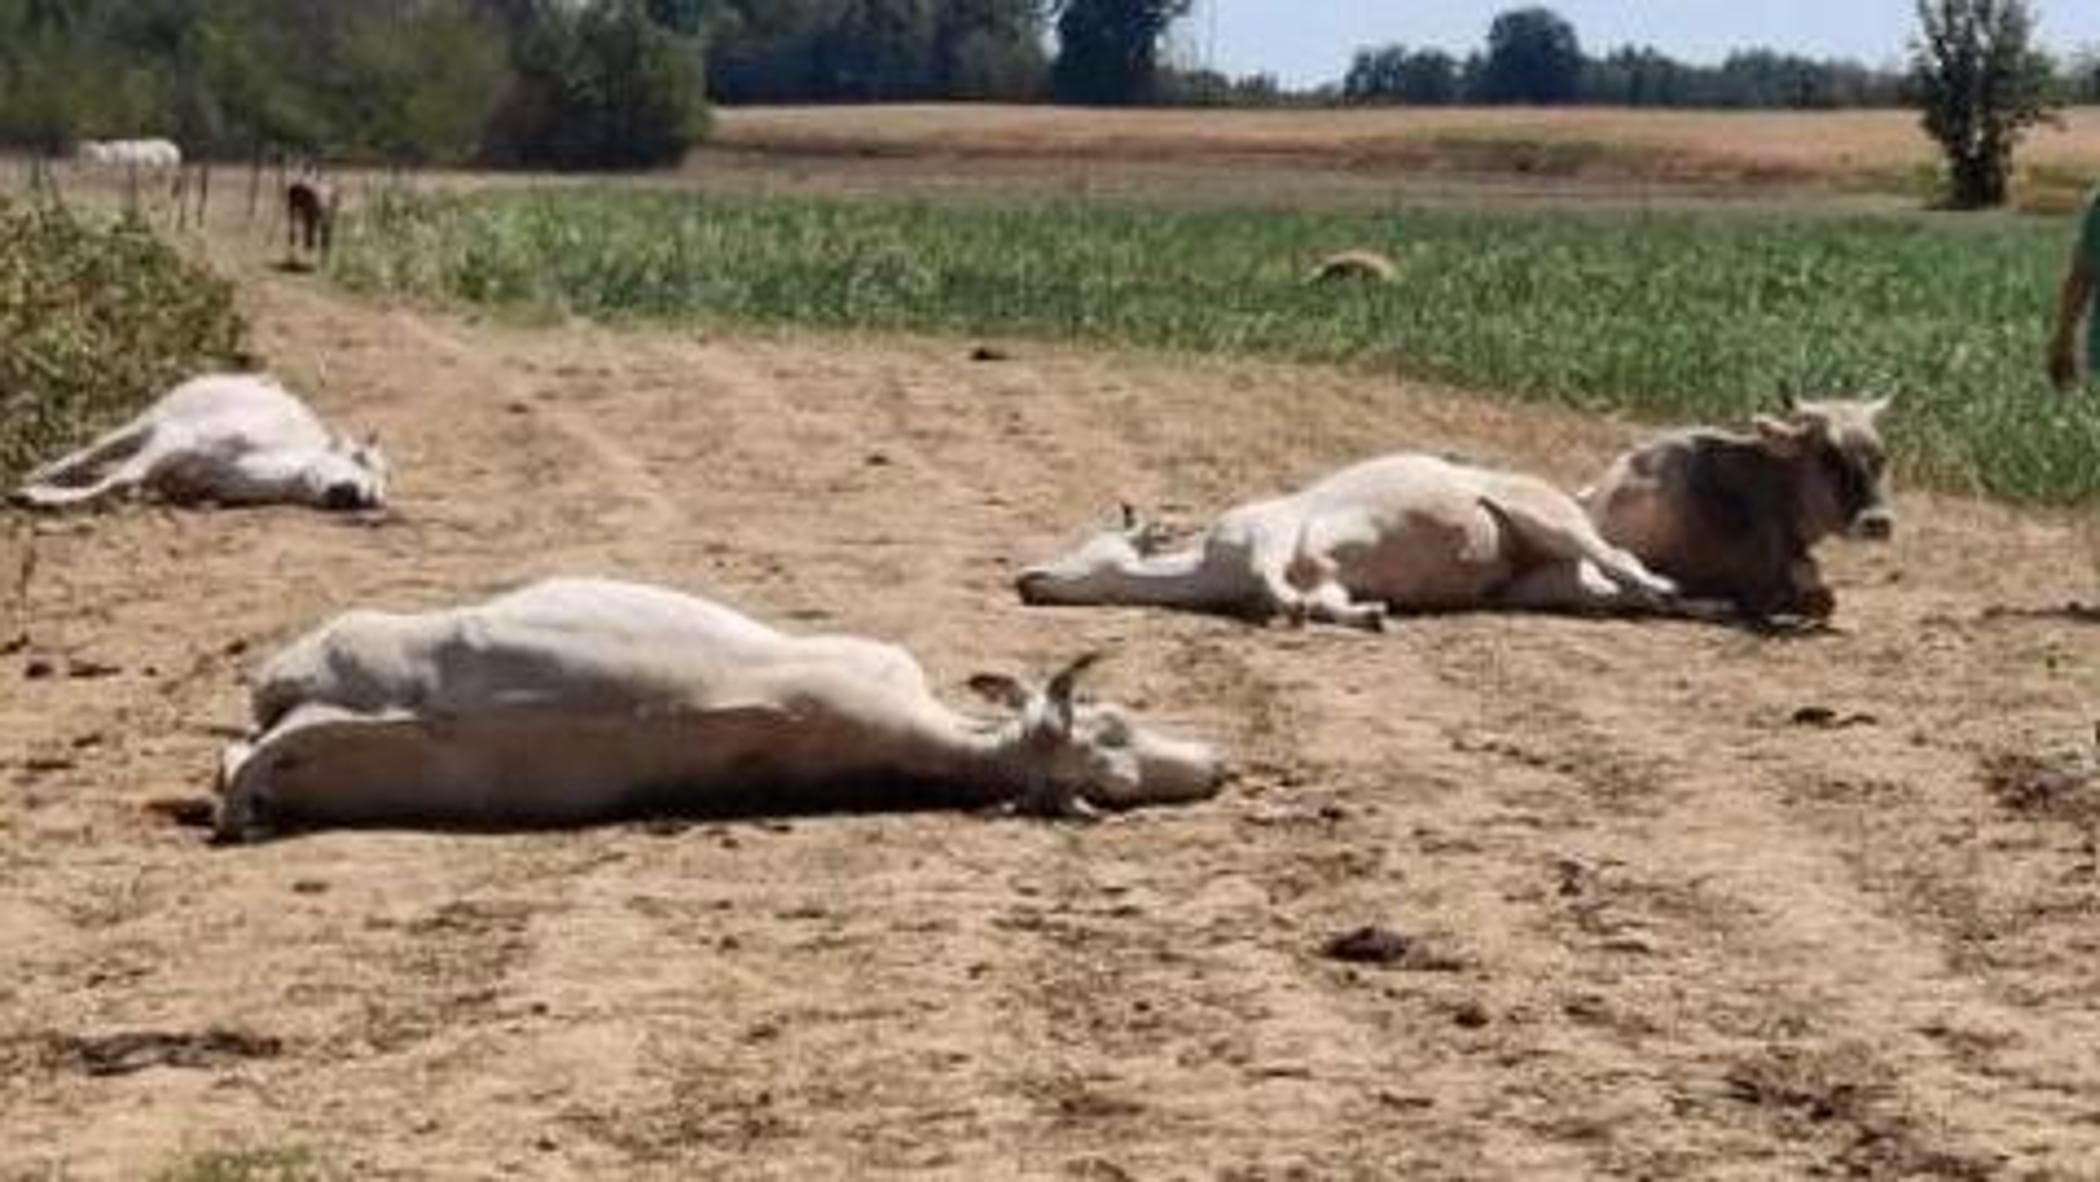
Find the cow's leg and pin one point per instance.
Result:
(1270, 555)
(1329, 603)
(74, 467)
(1575, 586)
(126, 476)
(1583, 588)
(1557, 528)
(1807, 594)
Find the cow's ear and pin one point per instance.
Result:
(1879, 407)
(1000, 690)
(1779, 437)
(1062, 685)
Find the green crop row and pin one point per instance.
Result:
(1670, 316)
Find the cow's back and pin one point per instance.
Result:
(587, 646)
(248, 410)
(1709, 509)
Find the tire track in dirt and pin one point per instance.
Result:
(650, 511)
(1775, 890)
(1590, 817)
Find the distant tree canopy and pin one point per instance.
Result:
(1108, 50)
(762, 51)
(568, 82)
(1533, 56)
(1633, 76)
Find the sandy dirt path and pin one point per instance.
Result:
(1665, 929)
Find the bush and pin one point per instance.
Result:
(603, 86)
(96, 322)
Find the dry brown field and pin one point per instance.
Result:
(1685, 901)
(1842, 147)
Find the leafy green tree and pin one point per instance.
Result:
(1108, 50)
(1394, 73)
(420, 79)
(988, 49)
(601, 86)
(1981, 83)
(1533, 56)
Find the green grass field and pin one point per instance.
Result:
(1678, 316)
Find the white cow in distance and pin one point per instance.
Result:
(579, 700)
(1405, 532)
(231, 439)
(141, 153)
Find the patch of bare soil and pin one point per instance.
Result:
(1661, 900)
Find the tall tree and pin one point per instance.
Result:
(1982, 84)
(1108, 50)
(1533, 56)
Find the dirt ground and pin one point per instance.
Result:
(1683, 901)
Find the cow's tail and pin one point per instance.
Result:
(1573, 538)
(72, 478)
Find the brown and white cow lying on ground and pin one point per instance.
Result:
(1406, 532)
(580, 700)
(231, 439)
(1732, 516)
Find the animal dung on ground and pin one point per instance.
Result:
(129, 1051)
(2027, 783)
(1369, 945)
(1825, 718)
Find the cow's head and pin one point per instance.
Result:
(1092, 569)
(1837, 450)
(349, 475)
(1068, 754)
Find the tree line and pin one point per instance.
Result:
(617, 83)
(1534, 56)
(603, 83)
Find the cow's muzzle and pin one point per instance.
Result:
(342, 497)
(1874, 525)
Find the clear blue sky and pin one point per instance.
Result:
(1309, 41)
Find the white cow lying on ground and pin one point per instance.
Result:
(579, 700)
(1405, 532)
(233, 439)
(143, 153)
